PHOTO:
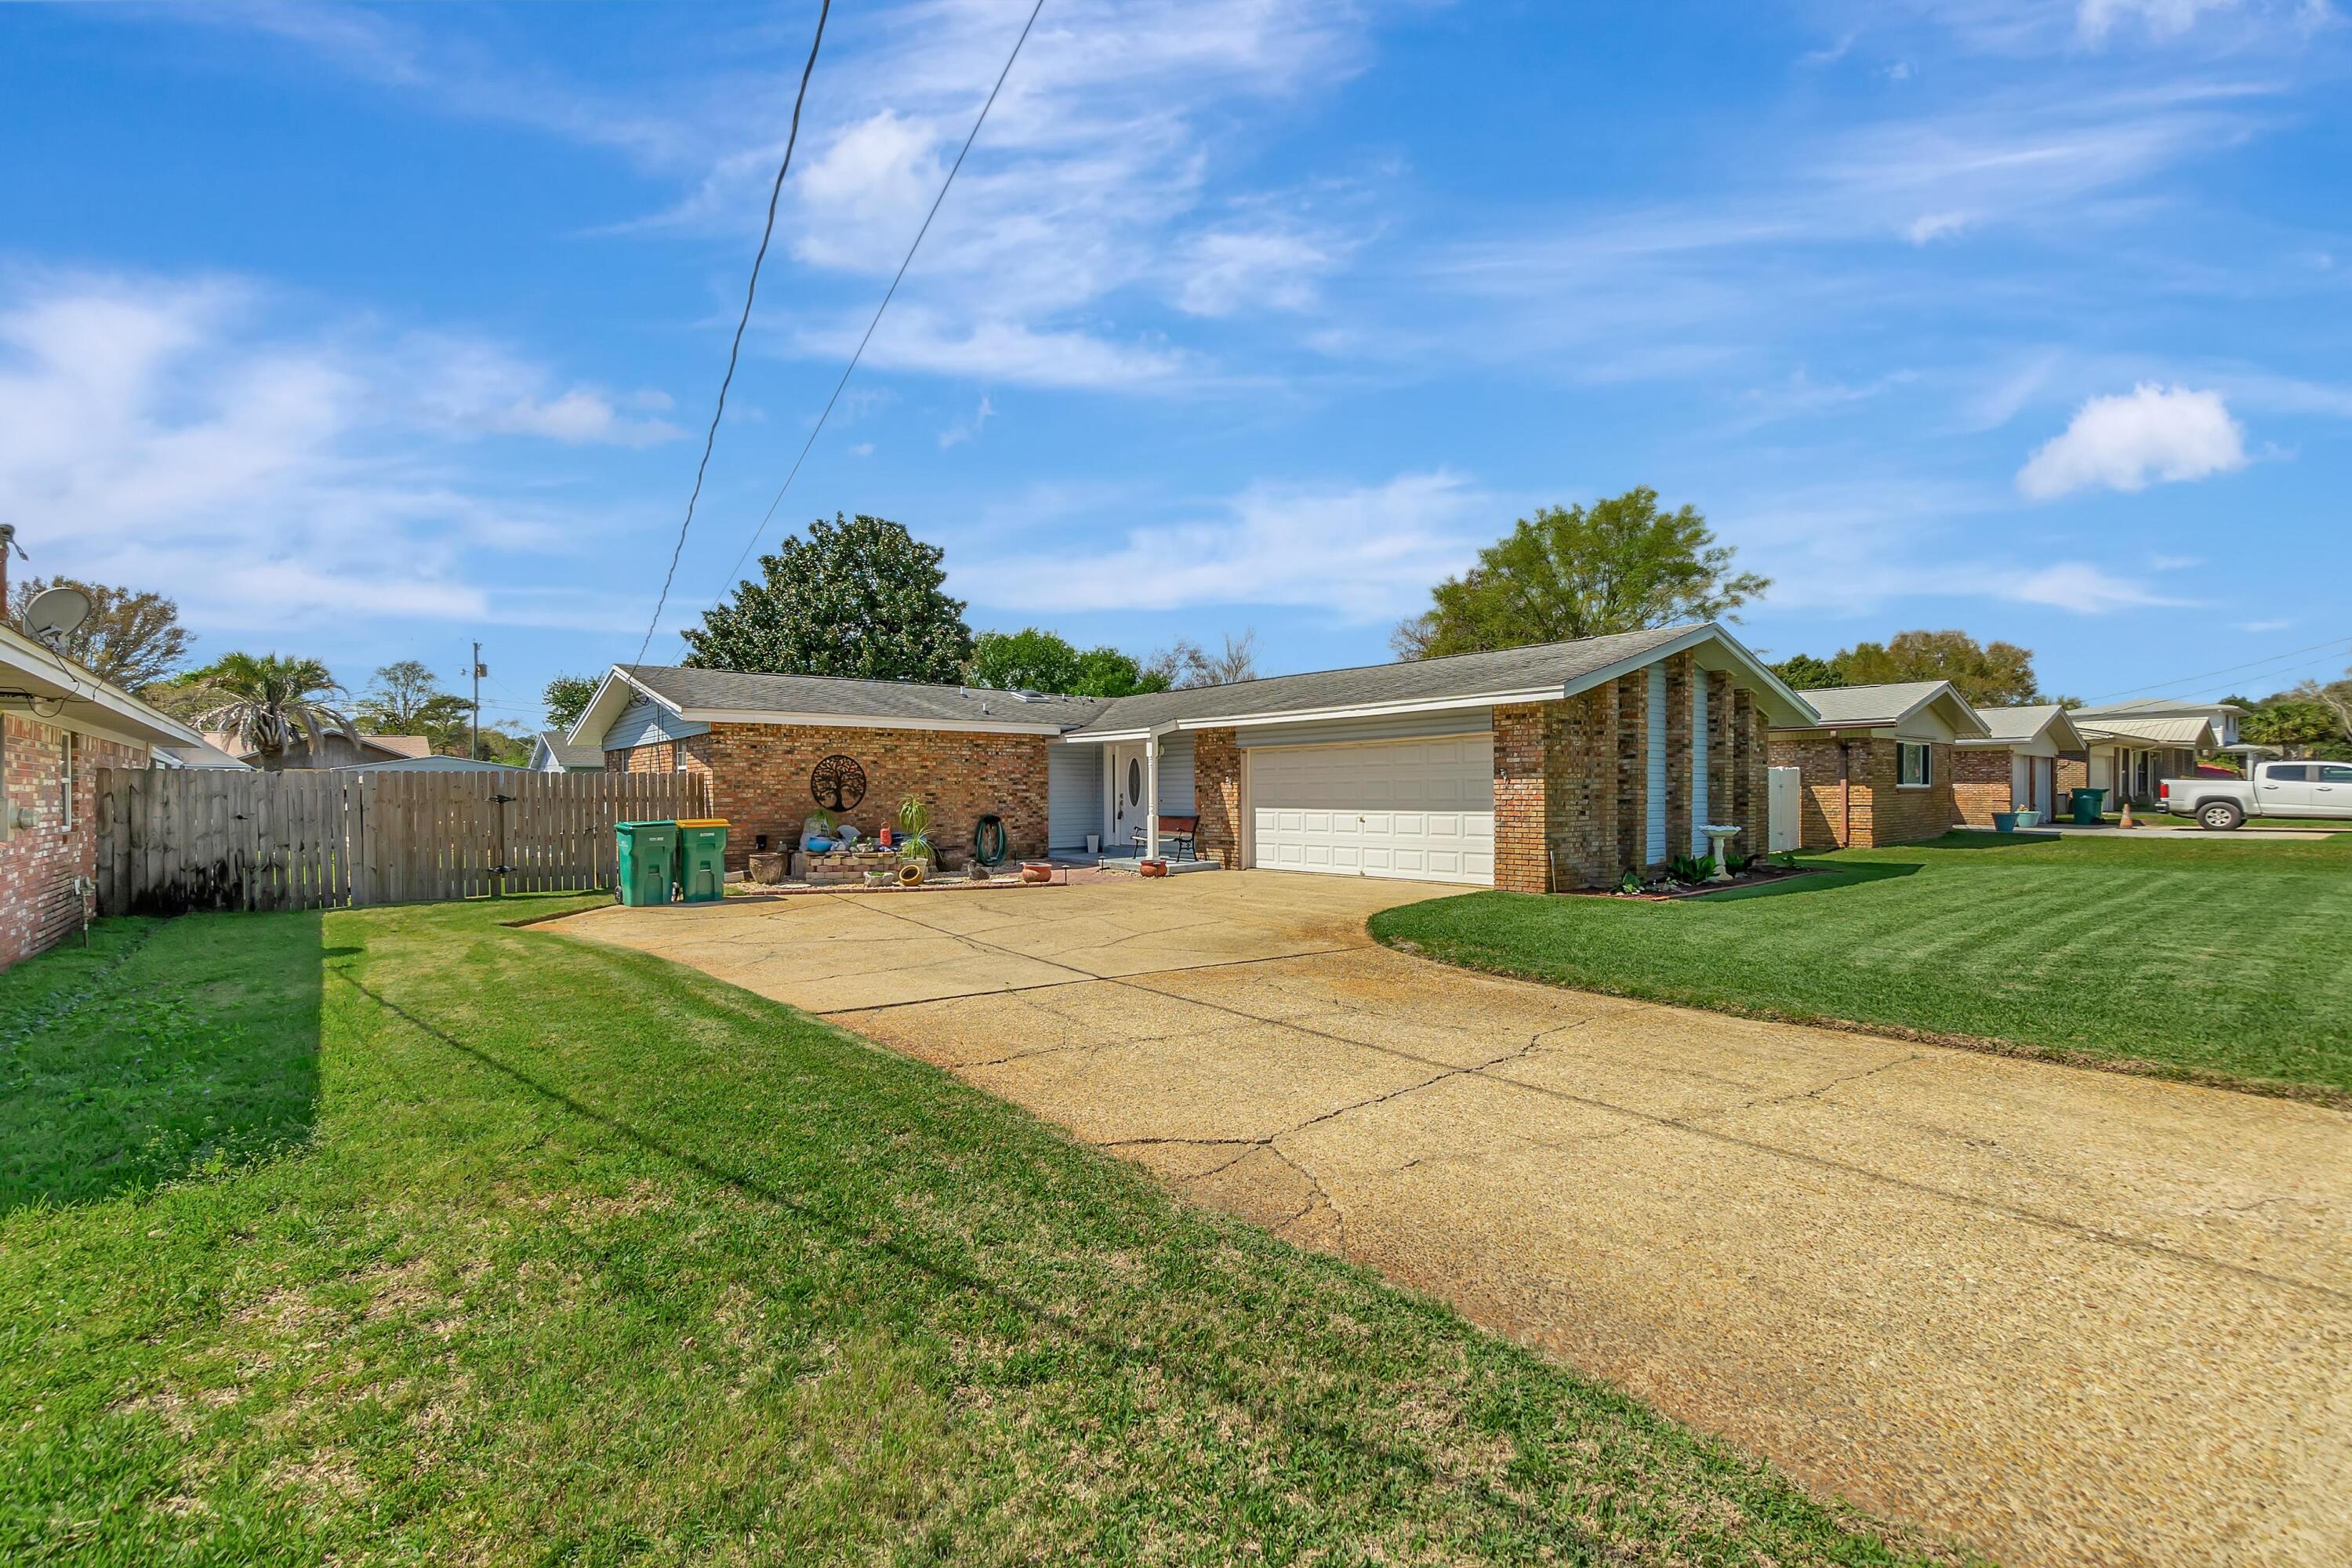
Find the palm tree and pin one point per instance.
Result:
(270, 701)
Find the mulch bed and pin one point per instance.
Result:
(1755, 878)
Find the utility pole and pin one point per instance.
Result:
(474, 731)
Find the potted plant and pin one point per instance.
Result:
(916, 855)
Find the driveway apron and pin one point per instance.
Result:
(2067, 1317)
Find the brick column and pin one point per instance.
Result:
(1217, 796)
(1750, 785)
(1633, 780)
(1721, 797)
(1522, 821)
(1680, 669)
(1580, 790)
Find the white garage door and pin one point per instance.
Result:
(1421, 809)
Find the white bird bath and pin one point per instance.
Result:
(1716, 837)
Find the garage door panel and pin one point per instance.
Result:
(1420, 809)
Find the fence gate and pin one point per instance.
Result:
(173, 839)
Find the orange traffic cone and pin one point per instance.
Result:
(2126, 820)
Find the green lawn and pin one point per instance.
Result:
(2221, 960)
(403, 1236)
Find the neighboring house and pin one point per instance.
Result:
(203, 754)
(332, 751)
(1875, 763)
(431, 764)
(1561, 765)
(2130, 756)
(2015, 766)
(2222, 716)
(59, 725)
(552, 753)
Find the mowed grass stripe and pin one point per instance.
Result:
(569, 1255)
(2223, 960)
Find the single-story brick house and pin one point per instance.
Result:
(1874, 763)
(1556, 766)
(59, 725)
(2015, 766)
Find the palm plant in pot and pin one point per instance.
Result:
(916, 854)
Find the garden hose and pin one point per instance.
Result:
(989, 844)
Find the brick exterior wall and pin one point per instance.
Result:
(1751, 782)
(1981, 784)
(1217, 796)
(1571, 781)
(759, 781)
(38, 864)
(1867, 810)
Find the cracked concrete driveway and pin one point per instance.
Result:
(2068, 1317)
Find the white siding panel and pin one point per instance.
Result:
(1074, 795)
(1390, 727)
(1176, 774)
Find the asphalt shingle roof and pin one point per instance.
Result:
(731, 691)
(1425, 679)
(2016, 725)
(1868, 705)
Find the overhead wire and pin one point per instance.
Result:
(888, 295)
(2230, 669)
(735, 350)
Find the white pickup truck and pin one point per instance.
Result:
(2277, 789)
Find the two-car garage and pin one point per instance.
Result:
(1420, 809)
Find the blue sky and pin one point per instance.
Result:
(365, 332)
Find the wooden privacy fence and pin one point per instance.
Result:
(172, 839)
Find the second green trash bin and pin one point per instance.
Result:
(649, 861)
(2088, 805)
(702, 859)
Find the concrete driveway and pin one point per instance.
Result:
(2068, 1317)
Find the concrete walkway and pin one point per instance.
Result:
(2069, 1317)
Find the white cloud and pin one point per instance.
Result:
(965, 428)
(862, 450)
(1228, 270)
(1933, 226)
(150, 433)
(2131, 440)
(2256, 629)
(2082, 588)
(2174, 562)
(2159, 18)
(1366, 553)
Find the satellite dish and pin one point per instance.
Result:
(55, 613)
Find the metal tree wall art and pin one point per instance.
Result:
(838, 783)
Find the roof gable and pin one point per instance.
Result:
(2024, 725)
(1889, 706)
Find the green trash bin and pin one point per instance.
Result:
(702, 859)
(2088, 805)
(648, 853)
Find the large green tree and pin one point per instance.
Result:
(1990, 674)
(566, 698)
(1037, 661)
(859, 596)
(132, 639)
(1618, 565)
(405, 699)
(1804, 672)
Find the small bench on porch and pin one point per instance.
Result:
(1180, 831)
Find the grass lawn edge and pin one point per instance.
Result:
(2325, 1096)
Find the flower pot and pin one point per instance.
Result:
(2029, 819)
(911, 873)
(1152, 867)
(1036, 871)
(2005, 822)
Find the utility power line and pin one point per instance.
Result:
(888, 295)
(2231, 669)
(735, 350)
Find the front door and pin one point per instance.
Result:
(1129, 792)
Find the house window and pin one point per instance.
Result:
(66, 779)
(1914, 765)
(677, 755)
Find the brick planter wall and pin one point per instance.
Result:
(759, 781)
(38, 864)
(1981, 784)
